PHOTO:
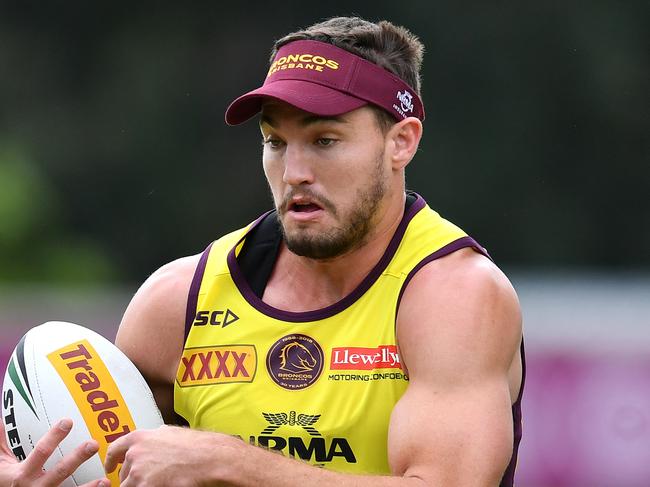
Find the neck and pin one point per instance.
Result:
(303, 284)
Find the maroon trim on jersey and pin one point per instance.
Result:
(461, 243)
(193, 295)
(508, 479)
(180, 420)
(195, 287)
(523, 372)
(323, 313)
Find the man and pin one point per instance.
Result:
(352, 328)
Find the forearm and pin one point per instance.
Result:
(167, 455)
(251, 466)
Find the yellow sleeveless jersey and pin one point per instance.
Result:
(318, 385)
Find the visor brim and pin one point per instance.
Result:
(302, 94)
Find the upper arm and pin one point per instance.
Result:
(459, 331)
(152, 331)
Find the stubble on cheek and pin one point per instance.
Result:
(347, 234)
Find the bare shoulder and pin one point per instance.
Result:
(155, 317)
(462, 313)
(152, 329)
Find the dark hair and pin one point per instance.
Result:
(390, 46)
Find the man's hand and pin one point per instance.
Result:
(30, 472)
(169, 456)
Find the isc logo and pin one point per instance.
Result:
(220, 364)
(216, 317)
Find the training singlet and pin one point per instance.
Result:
(317, 385)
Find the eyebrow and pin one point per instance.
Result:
(307, 120)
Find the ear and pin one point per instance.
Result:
(403, 140)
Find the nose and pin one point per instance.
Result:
(297, 168)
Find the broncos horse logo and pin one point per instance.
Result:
(296, 358)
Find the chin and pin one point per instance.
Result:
(320, 245)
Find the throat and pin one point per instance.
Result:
(295, 295)
(299, 284)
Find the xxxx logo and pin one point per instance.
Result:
(222, 364)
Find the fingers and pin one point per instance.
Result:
(125, 469)
(45, 447)
(4, 448)
(117, 451)
(33, 465)
(71, 462)
(97, 483)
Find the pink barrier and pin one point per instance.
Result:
(586, 422)
(8, 341)
(5, 353)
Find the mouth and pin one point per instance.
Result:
(303, 208)
(303, 205)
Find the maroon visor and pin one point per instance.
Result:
(323, 79)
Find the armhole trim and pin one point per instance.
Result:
(195, 287)
(523, 373)
(180, 420)
(460, 243)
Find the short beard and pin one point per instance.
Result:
(352, 234)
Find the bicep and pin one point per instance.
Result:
(459, 329)
(151, 332)
(137, 338)
(452, 437)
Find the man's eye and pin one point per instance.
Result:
(325, 141)
(272, 143)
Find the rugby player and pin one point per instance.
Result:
(351, 328)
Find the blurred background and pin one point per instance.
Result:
(114, 159)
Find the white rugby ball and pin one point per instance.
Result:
(62, 370)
